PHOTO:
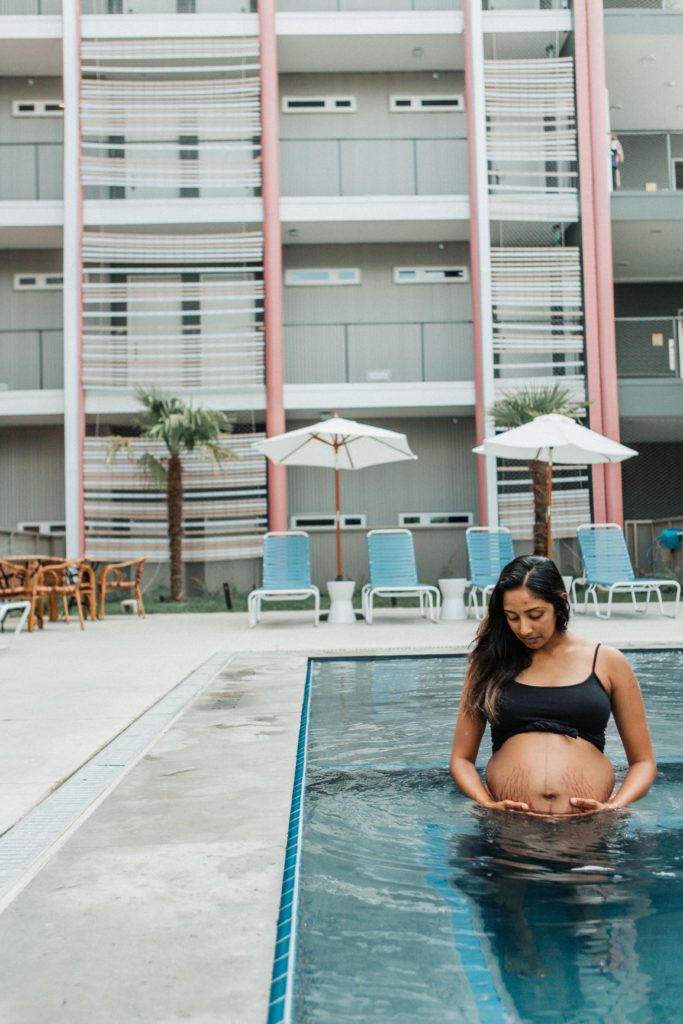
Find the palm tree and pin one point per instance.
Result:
(183, 429)
(518, 407)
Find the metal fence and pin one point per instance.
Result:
(649, 346)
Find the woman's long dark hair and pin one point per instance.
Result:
(498, 655)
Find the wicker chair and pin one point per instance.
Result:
(15, 581)
(52, 581)
(115, 577)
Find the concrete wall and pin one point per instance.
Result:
(373, 150)
(32, 474)
(31, 152)
(31, 353)
(411, 332)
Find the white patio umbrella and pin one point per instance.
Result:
(336, 444)
(554, 438)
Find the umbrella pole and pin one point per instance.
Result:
(550, 497)
(340, 571)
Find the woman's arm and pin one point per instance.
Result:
(466, 742)
(629, 714)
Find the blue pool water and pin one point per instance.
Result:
(415, 906)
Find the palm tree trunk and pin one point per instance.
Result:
(174, 508)
(539, 487)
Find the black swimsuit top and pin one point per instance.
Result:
(579, 710)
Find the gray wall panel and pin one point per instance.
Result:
(441, 167)
(315, 355)
(29, 129)
(378, 167)
(448, 352)
(309, 168)
(393, 351)
(18, 172)
(50, 172)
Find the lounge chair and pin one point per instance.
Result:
(286, 573)
(393, 573)
(489, 549)
(607, 567)
(23, 606)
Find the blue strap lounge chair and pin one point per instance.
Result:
(286, 573)
(489, 549)
(607, 567)
(393, 573)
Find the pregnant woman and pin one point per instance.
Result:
(547, 695)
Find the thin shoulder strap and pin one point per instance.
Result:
(595, 656)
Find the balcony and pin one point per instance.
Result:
(649, 347)
(653, 161)
(24, 7)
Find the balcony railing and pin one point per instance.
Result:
(526, 5)
(31, 360)
(30, 7)
(649, 346)
(643, 5)
(379, 353)
(31, 170)
(167, 6)
(351, 167)
(653, 161)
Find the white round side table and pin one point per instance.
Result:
(453, 591)
(341, 608)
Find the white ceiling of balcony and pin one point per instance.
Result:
(645, 81)
(647, 250)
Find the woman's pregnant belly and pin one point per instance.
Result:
(544, 770)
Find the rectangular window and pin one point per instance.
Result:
(46, 529)
(431, 275)
(318, 104)
(37, 282)
(435, 519)
(348, 521)
(422, 104)
(37, 108)
(323, 276)
(678, 175)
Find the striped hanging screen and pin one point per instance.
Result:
(537, 307)
(172, 310)
(225, 507)
(170, 117)
(531, 139)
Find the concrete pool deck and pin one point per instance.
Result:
(142, 876)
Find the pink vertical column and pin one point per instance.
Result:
(609, 392)
(590, 251)
(272, 257)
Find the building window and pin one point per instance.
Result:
(37, 108)
(324, 276)
(318, 104)
(37, 282)
(431, 275)
(426, 104)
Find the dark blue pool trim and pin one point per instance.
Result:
(282, 984)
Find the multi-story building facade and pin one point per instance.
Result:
(394, 209)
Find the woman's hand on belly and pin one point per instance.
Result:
(552, 774)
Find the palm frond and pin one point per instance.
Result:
(525, 404)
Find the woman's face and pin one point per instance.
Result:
(532, 619)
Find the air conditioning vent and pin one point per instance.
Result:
(37, 108)
(431, 275)
(426, 104)
(423, 519)
(37, 282)
(49, 529)
(318, 104)
(349, 520)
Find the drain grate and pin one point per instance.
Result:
(28, 843)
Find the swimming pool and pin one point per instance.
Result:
(404, 904)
